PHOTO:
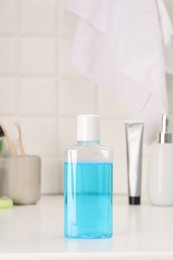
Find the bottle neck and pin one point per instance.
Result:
(95, 142)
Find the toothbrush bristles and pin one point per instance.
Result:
(1, 132)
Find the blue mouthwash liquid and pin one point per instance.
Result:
(88, 200)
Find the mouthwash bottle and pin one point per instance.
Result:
(88, 171)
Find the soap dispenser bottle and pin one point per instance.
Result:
(160, 175)
(88, 184)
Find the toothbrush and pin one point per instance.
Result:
(3, 132)
(19, 136)
(1, 140)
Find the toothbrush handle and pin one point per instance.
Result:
(12, 149)
(22, 151)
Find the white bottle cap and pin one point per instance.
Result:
(88, 128)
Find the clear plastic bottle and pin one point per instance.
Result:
(88, 184)
(160, 176)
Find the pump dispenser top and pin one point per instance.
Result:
(165, 136)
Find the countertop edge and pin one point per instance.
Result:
(88, 256)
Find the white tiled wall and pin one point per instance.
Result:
(39, 88)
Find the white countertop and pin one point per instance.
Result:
(36, 232)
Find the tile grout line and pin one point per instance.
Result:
(96, 99)
(57, 73)
(18, 59)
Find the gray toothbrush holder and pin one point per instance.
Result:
(3, 175)
(24, 179)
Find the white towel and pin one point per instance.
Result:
(120, 45)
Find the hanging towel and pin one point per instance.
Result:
(120, 45)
